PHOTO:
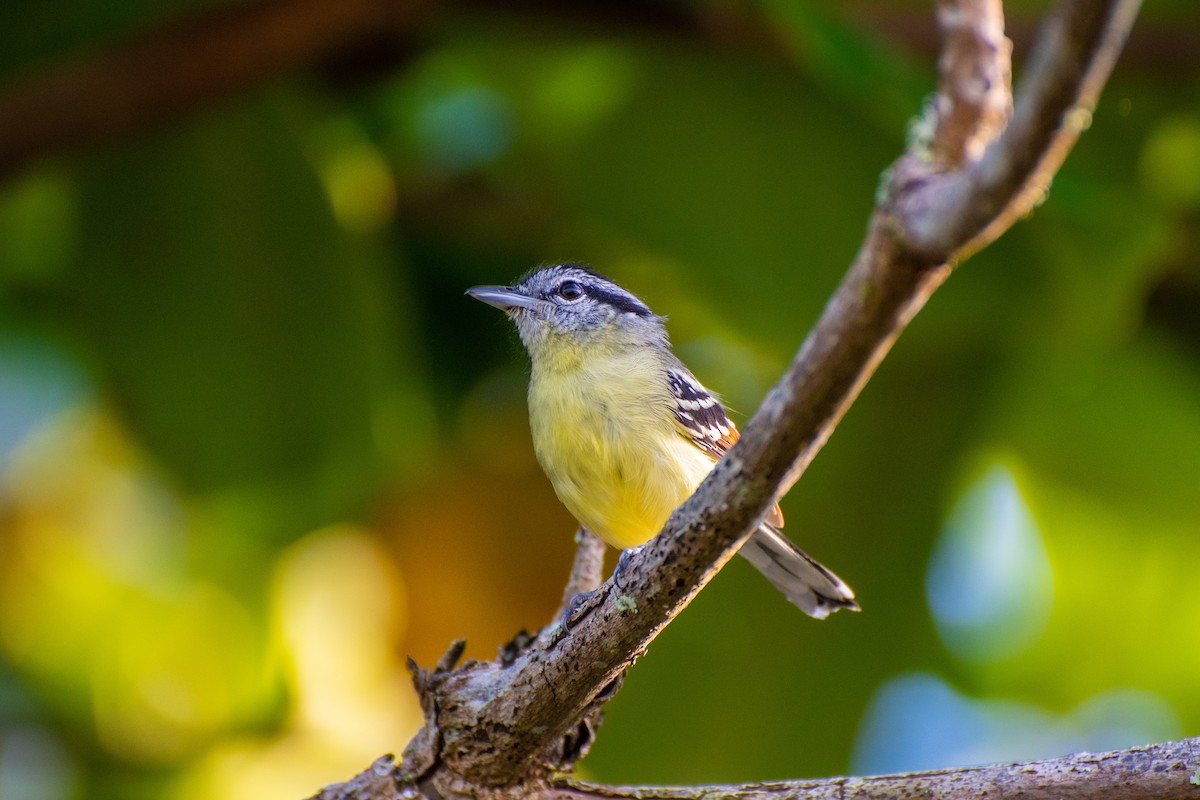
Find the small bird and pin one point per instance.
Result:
(623, 429)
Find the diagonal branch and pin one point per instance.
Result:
(509, 725)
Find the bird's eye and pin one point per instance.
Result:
(570, 290)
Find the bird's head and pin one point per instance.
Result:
(572, 303)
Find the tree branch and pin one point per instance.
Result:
(1167, 771)
(587, 572)
(1154, 772)
(503, 727)
(955, 214)
(508, 725)
(974, 99)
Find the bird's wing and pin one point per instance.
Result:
(702, 418)
(700, 414)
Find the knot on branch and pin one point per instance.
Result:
(981, 160)
(471, 725)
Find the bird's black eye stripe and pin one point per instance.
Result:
(620, 301)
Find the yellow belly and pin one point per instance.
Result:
(608, 442)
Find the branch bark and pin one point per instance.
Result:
(974, 98)
(587, 572)
(1154, 772)
(503, 728)
(1167, 771)
(954, 214)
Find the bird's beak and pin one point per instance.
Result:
(503, 297)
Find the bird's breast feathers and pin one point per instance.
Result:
(605, 432)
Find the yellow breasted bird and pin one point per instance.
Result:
(623, 429)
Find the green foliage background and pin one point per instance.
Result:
(255, 446)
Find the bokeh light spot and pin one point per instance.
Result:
(34, 765)
(918, 722)
(356, 175)
(989, 582)
(38, 383)
(340, 603)
(37, 227)
(582, 88)
(465, 128)
(1170, 162)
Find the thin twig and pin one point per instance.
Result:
(956, 214)
(974, 97)
(587, 571)
(1154, 772)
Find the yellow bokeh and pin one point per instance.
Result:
(338, 607)
(101, 606)
(97, 604)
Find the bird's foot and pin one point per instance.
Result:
(623, 563)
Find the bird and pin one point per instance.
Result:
(623, 430)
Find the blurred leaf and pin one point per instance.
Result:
(1098, 248)
(239, 328)
(866, 72)
(1125, 428)
(989, 582)
(1170, 162)
(101, 612)
(35, 765)
(920, 722)
(40, 382)
(37, 229)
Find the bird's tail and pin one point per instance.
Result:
(816, 590)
